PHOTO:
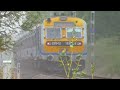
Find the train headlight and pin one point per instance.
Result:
(48, 43)
(49, 20)
(79, 43)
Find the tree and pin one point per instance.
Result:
(10, 21)
(34, 18)
(13, 21)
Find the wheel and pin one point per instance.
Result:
(82, 62)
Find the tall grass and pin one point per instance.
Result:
(107, 57)
(1, 72)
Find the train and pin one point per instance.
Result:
(48, 40)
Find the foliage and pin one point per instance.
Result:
(67, 63)
(6, 43)
(1, 72)
(9, 22)
(33, 18)
(92, 70)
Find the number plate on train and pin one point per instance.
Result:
(64, 43)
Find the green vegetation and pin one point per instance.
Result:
(67, 66)
(67, 63)
(9, 23)
(107, 58)
(33, 18)
(1, 72)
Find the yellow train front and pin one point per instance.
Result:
(64, 33)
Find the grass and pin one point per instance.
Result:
(1, 73)
(107, 57)
(12, 72)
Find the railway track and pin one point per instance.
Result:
(49, 75)
(29, 72)
(95, 77)
(56, 76)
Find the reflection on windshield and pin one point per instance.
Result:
(53, 33)
(74, 32)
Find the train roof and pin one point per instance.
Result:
(66, 16)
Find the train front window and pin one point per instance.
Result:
(53, 33)
(77, 32)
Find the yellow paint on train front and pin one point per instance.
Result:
(55, 49)
(69, 19)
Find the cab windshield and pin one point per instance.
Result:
(76, 32)
(53, 33)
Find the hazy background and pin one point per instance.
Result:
(107, 38)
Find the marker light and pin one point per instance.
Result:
(79, 43)
(48, 43)
(48, 20)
